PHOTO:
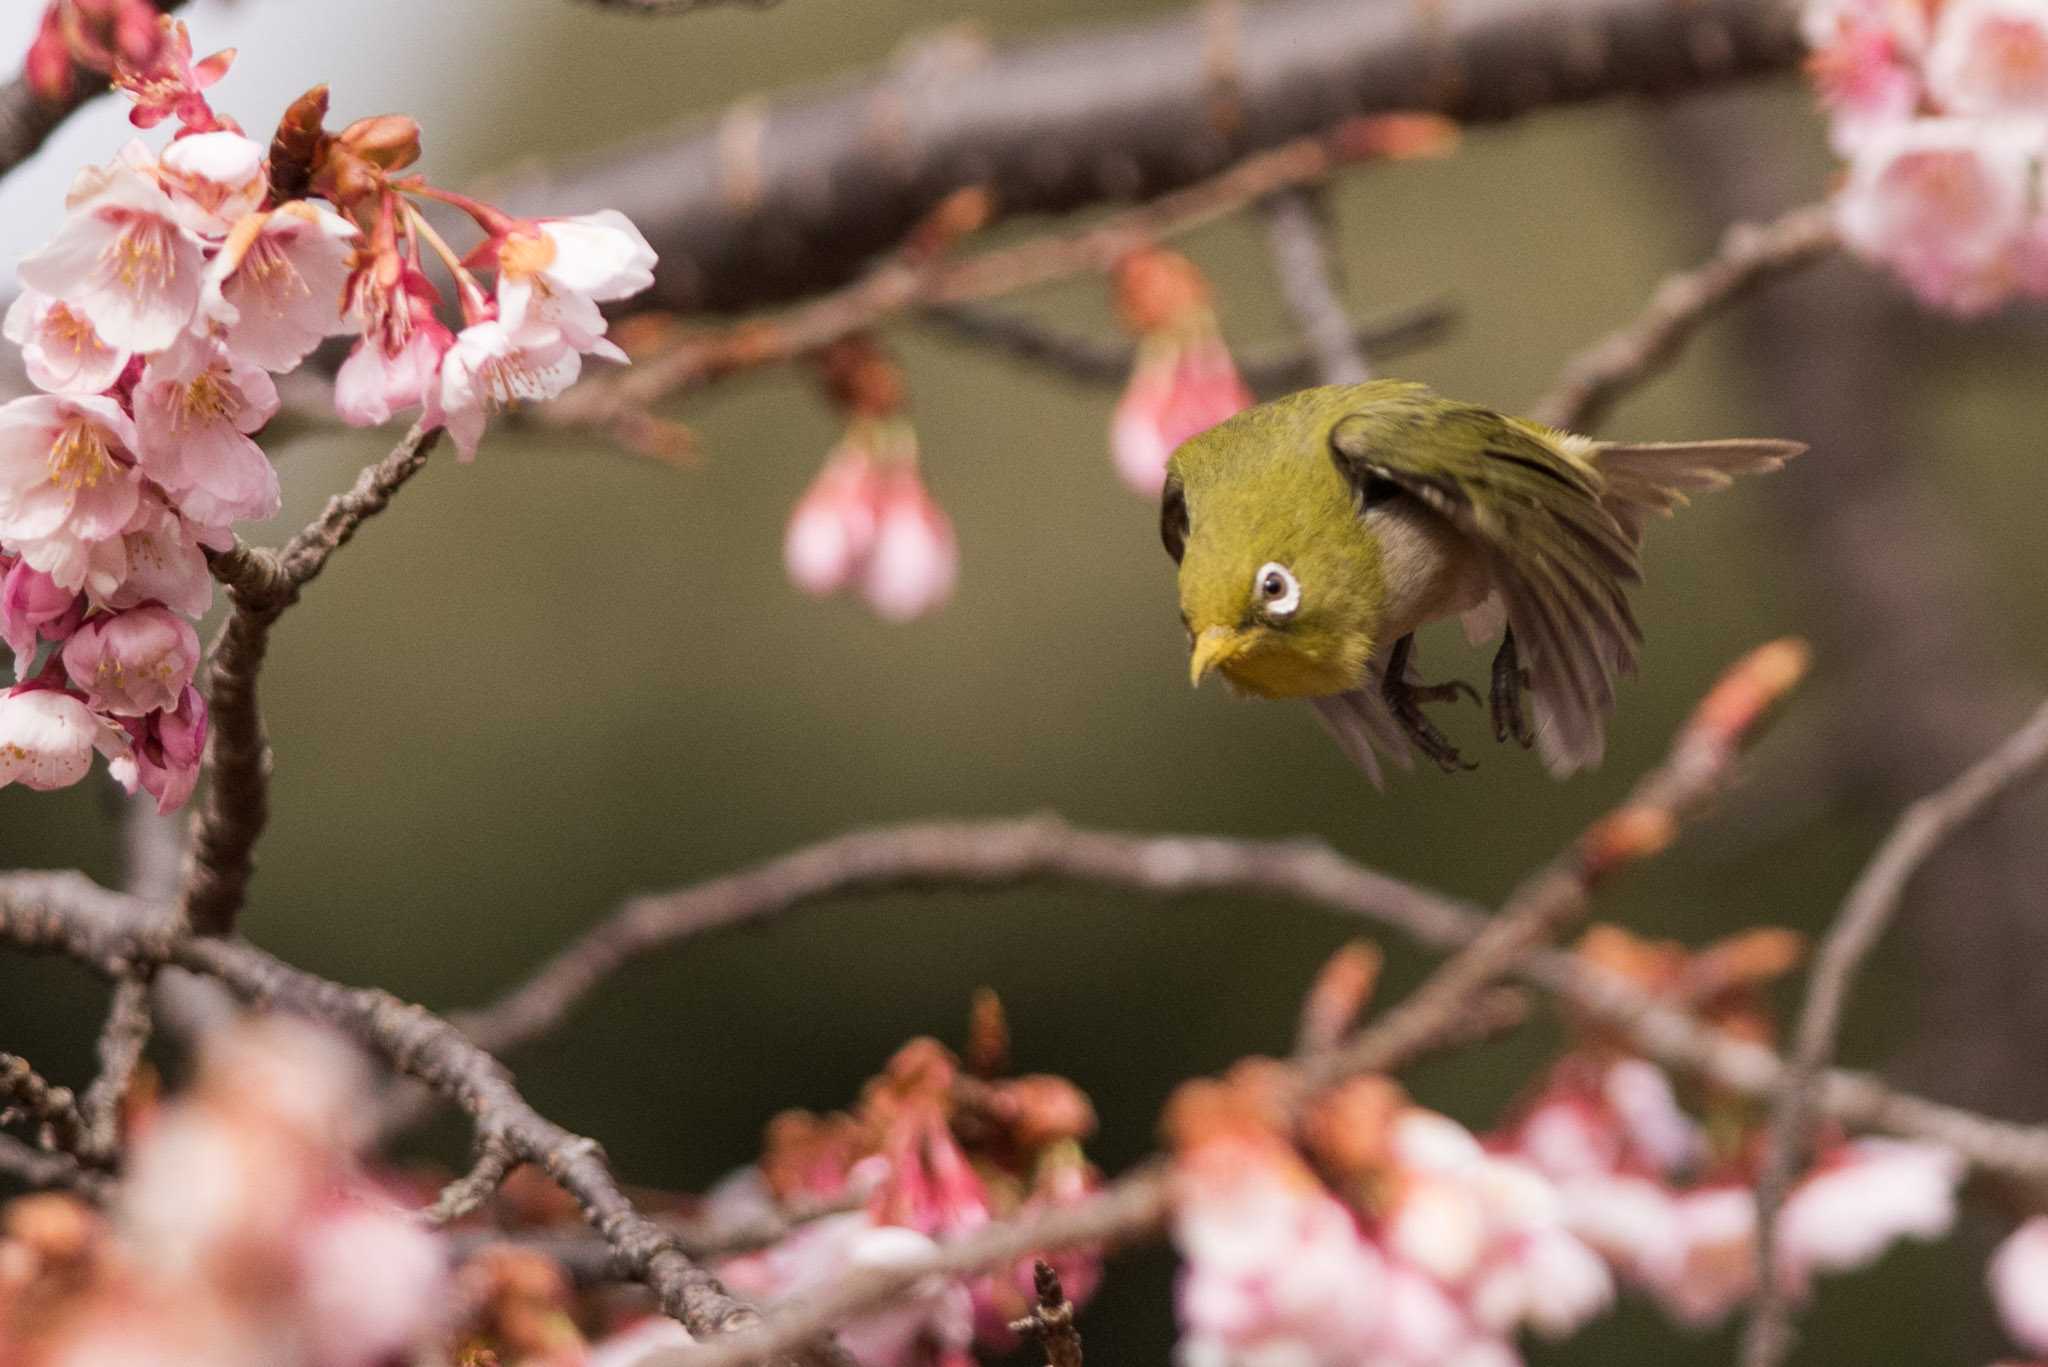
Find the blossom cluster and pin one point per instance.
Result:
(181, 282)
(931, 1151)
(1941, 108)
(1376, 1233)
(241, 1233)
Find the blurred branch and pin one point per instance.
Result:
(35, 1169)
(1093, 360)
(1750, 255)
(27, 119)
(68, 914)
(776, 201)
(26, 1095)
(1299, 243)
(261, 584)
(921, 274)
(122, 1039)
(1865, 914)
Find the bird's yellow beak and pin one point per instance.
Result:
(1213, 647)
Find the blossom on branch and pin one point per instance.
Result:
(1184, 381)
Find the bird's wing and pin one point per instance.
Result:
(1556, 553)
(1365, 727)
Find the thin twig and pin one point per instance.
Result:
(1051, 1320)
(1091, 360)
(1299, 243)
(122, 1039)
(1749, 255)
(261, 584)
(1865, 914)
(494, 1159)
(27, 1095)
(36, 1169)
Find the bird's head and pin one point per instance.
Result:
(1280, 588)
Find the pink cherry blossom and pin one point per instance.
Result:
(1990, 58)
(158, 558)
(1864, 68)
(915, 558)
(166, 82)
(1274, 1267)
(2019, 1284)
(67, 480)
(134, 662)
(122, 259)
(46, 738)
(195, 407)
(492, 366)
(1864, 1197)
(32, 606)
(59, 349)
(1715, 1269)
(1944, 202)
(164, 751)
(373, 384)
(375, 1284)
(1182, 384)
(214, 179)
(831, 530)
(557, 270)
(276, 285)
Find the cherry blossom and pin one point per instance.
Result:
(131, 663)
(1184, 381)
(164, 751)
(491, 367)
(195, 407)
(123, 260)
(831, 531)
(915, 559)
(59, 348)
(1863, 1197)
(275, 287)
(557, 270)
(1990, 58)
(47, 738)
(67, 480)
(2019, 1284)
(33, 608)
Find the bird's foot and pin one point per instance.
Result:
(1405, 700)
(1509, 679)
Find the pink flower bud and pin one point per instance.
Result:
(1184, 383)
(832, 528)
(164, 752)
(134, 662)
(915, 559)
(2019, 1284)
(32, 606)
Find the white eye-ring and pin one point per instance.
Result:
(1277, 590)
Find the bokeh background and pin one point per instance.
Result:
(565, 674)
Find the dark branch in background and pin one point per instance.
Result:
(27, 120)
(69, 914)
(261, 584)
(1091, 360)
(1301, 258)
(1864, 916)
(122, 1040)
(1751, 255)
(35, 1169)
(776, 202)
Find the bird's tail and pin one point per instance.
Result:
(1655, 477)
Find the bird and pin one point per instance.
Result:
(1317, 532)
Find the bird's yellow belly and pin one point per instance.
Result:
(1280, 673)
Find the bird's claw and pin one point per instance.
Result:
(1509, 679)
(1405, 699)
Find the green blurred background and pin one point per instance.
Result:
(564, 675)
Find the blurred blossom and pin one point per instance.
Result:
(2019, 1284)
(1942, 111)
(1861, 1198)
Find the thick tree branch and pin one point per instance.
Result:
(775, 202)
(1866, 913)
(261, 584)
(52, 1111)
(1749, 256)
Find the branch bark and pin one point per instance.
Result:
(778, 201)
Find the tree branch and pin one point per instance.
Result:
(1299, 244)
(774, 202)
(1271, 370)
(27, 1095)
(261, 584)
(1864, 916)
(35, 1169)
(122, 1039)
(69, 914)
(1749, 256)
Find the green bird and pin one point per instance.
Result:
(1316, 533)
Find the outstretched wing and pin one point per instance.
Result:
(1534, 507)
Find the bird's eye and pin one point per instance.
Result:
(1278, 592)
